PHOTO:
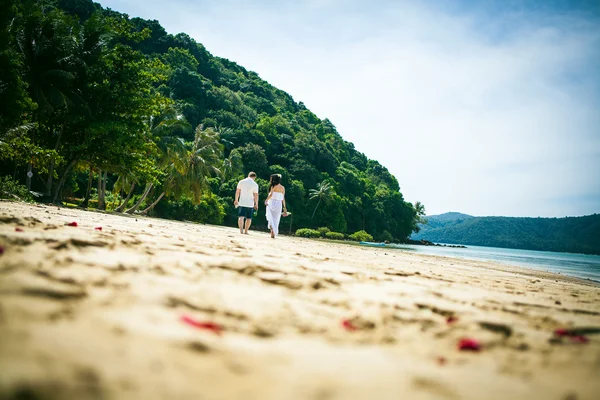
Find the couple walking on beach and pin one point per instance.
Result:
(246, 200)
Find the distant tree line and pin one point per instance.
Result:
(570, 234)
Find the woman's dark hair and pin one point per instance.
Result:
(274, 181)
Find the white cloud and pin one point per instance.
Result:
(467, 121)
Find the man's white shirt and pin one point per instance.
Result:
(247, 189)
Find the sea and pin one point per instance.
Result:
(578, 265)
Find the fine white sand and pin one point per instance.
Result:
(89, 314)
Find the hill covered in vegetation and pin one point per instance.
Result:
(108, 111)
(571, 234)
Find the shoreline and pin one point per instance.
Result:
(533, 267)
(492, 263)
(87, 313)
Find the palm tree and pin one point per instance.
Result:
(206, 154)
(88, 45)
(419, 217)
(233, 165)
(168, 128)
(137, 205)
(44, 43)
(165, 130)
(323, 192)
(188, 172)
(124, 181)
(175, 169)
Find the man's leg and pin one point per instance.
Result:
(248, 222)
(241, 224)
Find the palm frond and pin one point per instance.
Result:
(21, 129)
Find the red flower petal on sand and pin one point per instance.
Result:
(451, 319)
(579, 339)
(98, 228)
(347, 324)
(575, 338)
(17, 229)
(469, 344)
(72, 224)
(211, 326)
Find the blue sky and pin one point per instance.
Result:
(483, 107)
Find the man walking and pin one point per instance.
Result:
(246, 199)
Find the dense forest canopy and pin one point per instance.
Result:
(113, 112)
(571, 234)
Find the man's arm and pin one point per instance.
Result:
(256, 200)
(237, 196)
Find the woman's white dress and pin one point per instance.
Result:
(274, 207)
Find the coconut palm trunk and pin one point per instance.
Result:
(153, 204)
(315, 211)
(63, 179)
(88, 192)
(48, 191)
(141, 200)
(129, 194)
(49, 182)
(101, 199)
(322, 192)
(28, 181)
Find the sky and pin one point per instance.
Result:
(482, 107)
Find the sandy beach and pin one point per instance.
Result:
(154, 309)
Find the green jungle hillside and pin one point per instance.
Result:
(107, 111)
(571, 234)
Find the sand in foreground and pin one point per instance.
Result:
(90, 314)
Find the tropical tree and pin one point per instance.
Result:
(89, 43)
(206, 155)
(165, 131)
(119, 86)
(13, 94)
(125, 183)
(169, 127)
(188, 171)
(323, 192)
(44, 45)
(233, 166)
(254, 159)
(419, 217)
(175, 170)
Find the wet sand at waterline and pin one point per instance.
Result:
(153, 309)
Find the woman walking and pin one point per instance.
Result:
(275, 203)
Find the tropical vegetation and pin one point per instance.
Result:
(112, 112)
(569, 234)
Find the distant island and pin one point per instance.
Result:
(570, 234)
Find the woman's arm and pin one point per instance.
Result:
(283, 202)
(269, 196)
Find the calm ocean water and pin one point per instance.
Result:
(579, 265)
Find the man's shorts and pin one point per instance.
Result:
(245, 212)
